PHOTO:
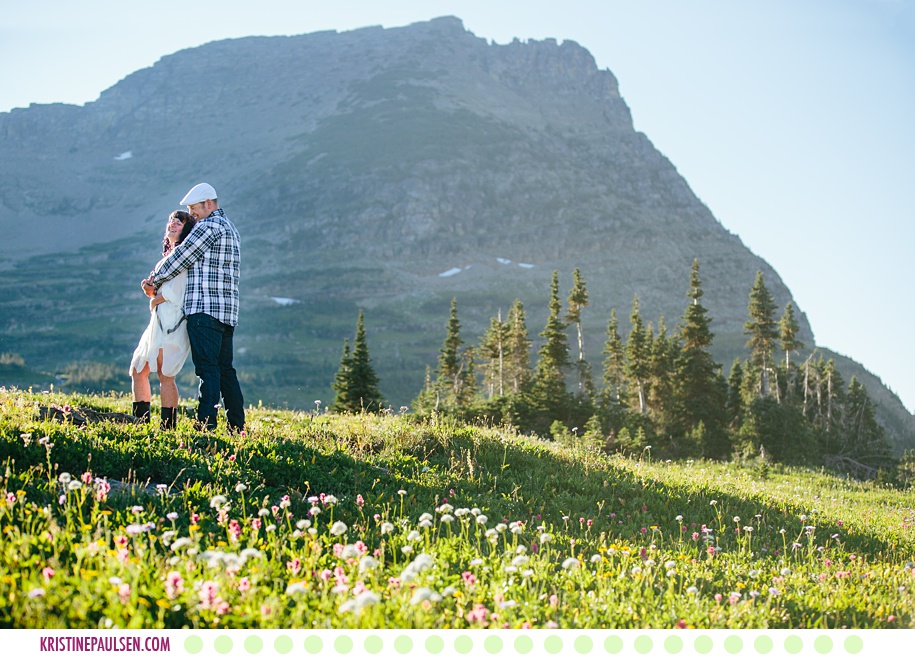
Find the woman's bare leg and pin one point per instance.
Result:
(168, 390)
(139, 385)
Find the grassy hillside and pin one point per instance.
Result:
(321, 521)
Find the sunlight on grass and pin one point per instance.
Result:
(310, 520)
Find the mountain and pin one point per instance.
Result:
(389, 170)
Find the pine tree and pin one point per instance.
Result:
(638, 357)
(697, 380)
(492, 351)
(864, 437)
(763, 332)
(661, 386)
(578, 299)
(455, 381)
(554, 353)
(517, 349)
(614, 364)
(735, 405)
(788, 328)
(357, 384)
(342, 382)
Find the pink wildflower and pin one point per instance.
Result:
(554, 601)
(478, 614)
(325, 575)
(124, 593)
(102, 488)
(718, 597)
(244, 585)
(174, 585)
(86, 478)
(295, 566)
(361, 547)
(209, 595)
(359, 500)
(47, 573)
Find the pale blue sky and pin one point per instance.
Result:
(793, 120)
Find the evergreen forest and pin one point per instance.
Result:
(654, 389)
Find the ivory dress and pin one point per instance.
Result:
(166, 331)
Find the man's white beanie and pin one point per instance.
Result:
(200, 192)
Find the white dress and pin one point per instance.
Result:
(167, 331)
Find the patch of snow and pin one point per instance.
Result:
(504, 261)
(525, 265)
(284, 301)
(449, 273)
(124, 156)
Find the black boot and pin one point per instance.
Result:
(141, 411)
(169, 418)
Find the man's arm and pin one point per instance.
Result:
(185, 255)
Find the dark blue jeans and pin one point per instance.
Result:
(211, 350)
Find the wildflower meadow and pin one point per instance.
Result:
(320, 521)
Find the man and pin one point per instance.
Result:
(210, 254)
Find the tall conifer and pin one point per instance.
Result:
(614, 364)
(763, 332)
(638, 357)
(517, 349)
(492, 351)
(698, 387)
(455, 381)
(357, 384)
(554, 353)
(578, 300)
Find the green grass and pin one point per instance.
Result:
(435, 524)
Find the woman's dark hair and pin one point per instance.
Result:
(187, 220)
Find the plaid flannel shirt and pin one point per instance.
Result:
(211, 255)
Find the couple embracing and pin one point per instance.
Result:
(193, 301)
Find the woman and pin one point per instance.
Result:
(164, 346)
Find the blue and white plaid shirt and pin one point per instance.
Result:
(211, 255)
